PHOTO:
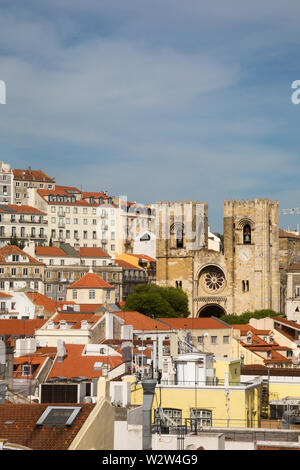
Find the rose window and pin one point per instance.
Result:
(212, 279)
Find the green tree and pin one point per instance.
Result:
(156, 301)
(245, 317)
(14, 241)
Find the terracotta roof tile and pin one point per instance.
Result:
(29, 174)
(42, 300)
(90, 281)
(23, 209)
(24, 431)
(194, 323)
(93, 252)
(140, 321)
(20, 327)
(49, 251)
(13, 249)
(75, 364)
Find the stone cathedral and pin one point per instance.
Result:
(243, 276)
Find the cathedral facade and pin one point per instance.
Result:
(243, 276)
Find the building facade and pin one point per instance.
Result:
(245, 277)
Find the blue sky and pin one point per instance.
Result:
(160, 100)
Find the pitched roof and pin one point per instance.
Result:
(20, 327)
(49, 251)
(23, 429)
(142, 257)
(194, 323)
(33, 175)
(74, 319)
(90, 281)
(34, 360)
(125, 264)
(139, 321)
(75, 364)
(92, 252)
(284, 321)
(285, 234)
(20, 209)
(15, 250)
(42, 300)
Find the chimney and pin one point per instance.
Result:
(148, 395)
(61, 350)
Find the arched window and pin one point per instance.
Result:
(247, 234)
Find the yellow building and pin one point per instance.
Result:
(225, 403)
(91, 289)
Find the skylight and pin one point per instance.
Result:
(58, 416)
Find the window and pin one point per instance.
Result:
(245, 286)
(85, 210)
(36, 285)
(26, 369)
(15, 257)
(13, 271)
(225, 339)
(178, 284)
(213, 339)
(94, 262)
(297, 291)
(108, 295)
(85, 235)
(94, 221)
(25, 271)
(74, 294)
(53, 220)
(247, 234)
(94, 235)
(48, 274)
(75, 210)
(202, 417)
(200, 339)
(174, 414)
(68, 221)
(36, 270)
(92, 294)
(62, 262)
(58, 416)
(53, 208)
(75, 221)
(85, 221)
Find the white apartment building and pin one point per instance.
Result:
(6, 184)
(23, 222)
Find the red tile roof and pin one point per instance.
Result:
(286, 322)
(93, 252)
(124, 264)
(42, 300)
(20, 327)
(49, 251)
(24, 431)
(32, 175)
(34, 360)
(12, 250)
(194, 323)
(4, 295)
(90, 281)
(140, 321)
(74, 319)
(146, 257)
(23, 209)
(75, 364)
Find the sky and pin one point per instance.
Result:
(157, 100)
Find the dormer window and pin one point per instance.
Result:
(50, 197)
(247, 234)
(92, 200)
